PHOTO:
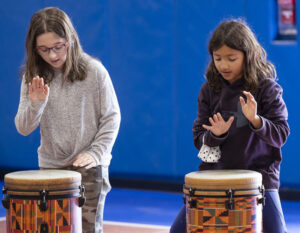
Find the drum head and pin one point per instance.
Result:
(223, 179)
(42, 179)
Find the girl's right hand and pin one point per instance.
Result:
(38, 92)
(218, 125)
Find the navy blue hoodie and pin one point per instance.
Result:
(244, 147)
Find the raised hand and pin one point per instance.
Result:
(85, 160)
(218, 125)
(37, 90)
(249, 109)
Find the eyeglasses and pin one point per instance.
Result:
(58, 48)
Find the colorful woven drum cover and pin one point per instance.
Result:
(25, 214)
(224, 201)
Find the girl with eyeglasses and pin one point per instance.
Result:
(71, 97)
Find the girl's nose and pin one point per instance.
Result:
(52, 54)
(224, 66)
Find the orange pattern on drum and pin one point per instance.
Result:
(25, 216)
(211, 215)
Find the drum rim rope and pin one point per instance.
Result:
(214, 187)
(216, 179)
(195, 191)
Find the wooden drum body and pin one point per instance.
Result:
(43, 201)
(222, 201)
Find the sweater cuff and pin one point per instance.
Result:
(95, 157)
(262, 126)
(37, 106)
(212, 140)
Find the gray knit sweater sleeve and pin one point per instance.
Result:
(29, 113)
(78, 117)
(109, 119)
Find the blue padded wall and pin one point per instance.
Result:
(156, 53)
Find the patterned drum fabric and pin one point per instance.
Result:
(224, 201)
(43, 201)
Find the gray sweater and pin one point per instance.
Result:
(78, 117)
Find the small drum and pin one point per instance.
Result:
(43, 201)
(224, 201)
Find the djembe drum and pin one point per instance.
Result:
(224, 201)
(43, 201)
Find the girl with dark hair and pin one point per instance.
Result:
(71, 97)
(241, 111)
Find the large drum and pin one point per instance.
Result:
(43, 201)
(224, 201)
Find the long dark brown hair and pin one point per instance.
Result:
(236, 34)
(53, 20)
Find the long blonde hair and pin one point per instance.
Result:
(53, 20)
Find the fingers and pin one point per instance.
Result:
(41, 83)
(214, 121)
(249, 108)
(211, 121)
(219, 116)
(206, 127)
(30, 88)
(218, 125)
(81, 163)
(37, 84)
(37, 90)
(242, 101)
(230, 120)
(215, 118)
(90, 165)
(249, 96)
(84, 160)
(46, 89)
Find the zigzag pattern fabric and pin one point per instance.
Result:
(211, 215)
(25, 216)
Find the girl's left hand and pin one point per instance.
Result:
(85, 160)
(249, 109)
